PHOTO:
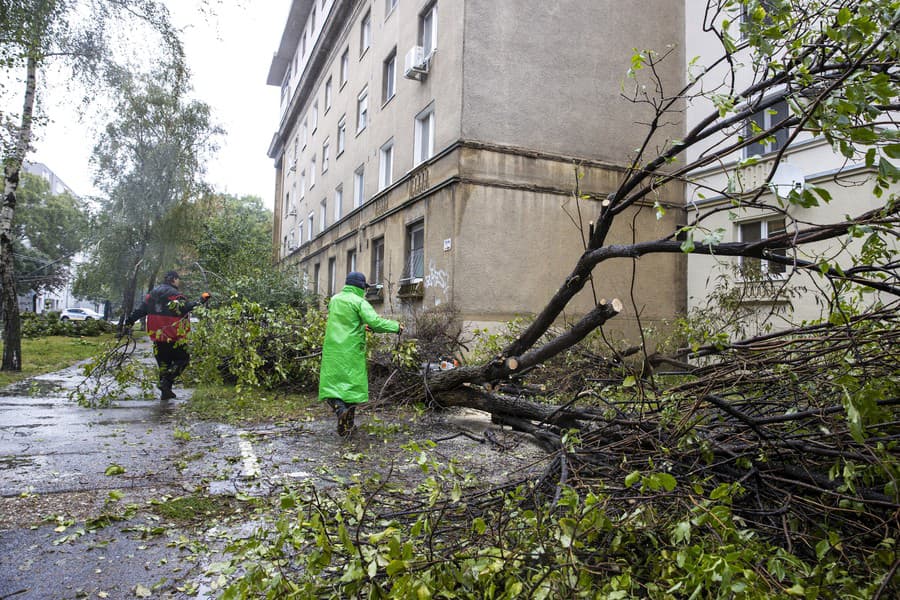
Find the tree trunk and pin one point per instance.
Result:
(12, 323)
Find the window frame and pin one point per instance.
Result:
(332, 275)
(765, 119)
(328, 93)
(323, 214)
(425, 117)
(389, 77)
(326, 152)
(341, 135)
(362, 110)
(377, 270)
(428, 30)
(386, 164)
(359, 186)
(345, 67)
(365, 33)
(338, 202)
(413, 251)
(351, 260)
(762, 268)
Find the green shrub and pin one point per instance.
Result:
(36, 325)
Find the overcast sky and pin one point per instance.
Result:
(230, 60)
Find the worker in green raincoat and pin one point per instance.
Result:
(343, 378)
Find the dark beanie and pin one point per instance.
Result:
(171, 276)
(355, 278)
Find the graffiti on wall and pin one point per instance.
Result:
(437, 278)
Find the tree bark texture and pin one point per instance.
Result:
(12, 324)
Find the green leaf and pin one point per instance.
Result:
(632, 478)
(113, 470)
(887, 170)
(630, 381)
(396, 566)
(891, 150)
(479, 526)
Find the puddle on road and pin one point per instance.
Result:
(16, 462)
(33, 387)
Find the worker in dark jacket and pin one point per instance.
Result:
(343, 377)
(168, 324)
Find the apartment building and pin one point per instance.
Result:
(437, 146)
(770, 295)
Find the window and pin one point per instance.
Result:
(338, 202)
(345, 65)
(302, 183)
(754, 231)
(327, 95)
(311, 223)
(312, 172)
(359, 181)
(341, 135)
(362, 110)
(389, 5)
(377, 271)
(316, 270)
(304, 133)
(388, 76)
(415, 249)
(325, 155)
(315, 116)
(287, 204)
(296, 148)
(428, 29)
(312, 19)
(351, 260)
(332, 275)
(291, 245)
(303, 44)
(764, 120)
(365, 32)
(386, 171)
(424, 138)
(323, 214)
(300, 235)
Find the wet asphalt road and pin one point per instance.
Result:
(57, 454)
(54, 455)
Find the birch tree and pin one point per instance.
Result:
(79, 36)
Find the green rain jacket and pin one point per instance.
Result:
(344, 371)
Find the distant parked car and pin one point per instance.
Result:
(79, 314)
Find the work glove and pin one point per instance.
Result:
(204, 297)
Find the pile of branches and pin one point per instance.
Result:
(804, 422)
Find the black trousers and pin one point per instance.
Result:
(172, 358)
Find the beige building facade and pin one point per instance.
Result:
(438, 147)
(771, 296)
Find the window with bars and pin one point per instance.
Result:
(414, 268)
(377, 273)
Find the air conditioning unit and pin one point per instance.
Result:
(416, 63)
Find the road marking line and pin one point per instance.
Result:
(251, 464)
